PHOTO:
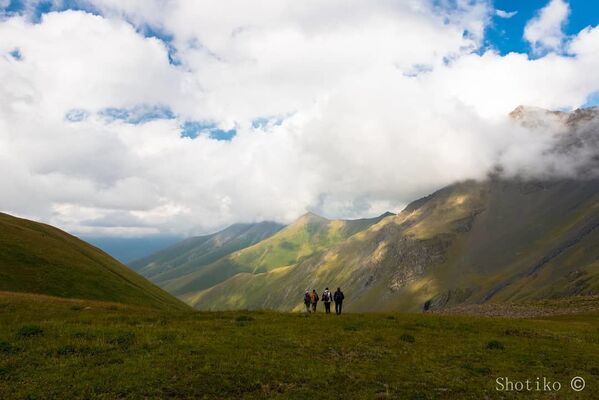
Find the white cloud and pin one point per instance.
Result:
(505, 14)
(375, 104)
(545, 31)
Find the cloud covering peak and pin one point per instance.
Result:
(140, 117)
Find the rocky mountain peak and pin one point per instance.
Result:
(536, 117)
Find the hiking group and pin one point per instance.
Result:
(311, 300)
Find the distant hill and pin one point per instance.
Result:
(198, 264)
(127, 250)
(191, 254)
(38, 258)
(472, 242)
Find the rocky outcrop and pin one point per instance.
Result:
(412, 258)
(447, 298)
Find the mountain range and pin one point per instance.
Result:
(503, 239)
(166, 267)
(202, 262)
(472, 242)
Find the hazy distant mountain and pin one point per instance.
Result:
(182, 274)
(191, 254)
(38, 258)
(127, 250)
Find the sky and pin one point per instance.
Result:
(135, 118)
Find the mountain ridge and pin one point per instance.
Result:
(451, 247)
(201, 250)
(308, 234)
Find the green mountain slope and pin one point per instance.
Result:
(308, 235)
(495, 241)
(38, 258)
(193, 253)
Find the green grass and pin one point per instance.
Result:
(59, 348)
(38, 258)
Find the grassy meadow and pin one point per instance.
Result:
(53, 348)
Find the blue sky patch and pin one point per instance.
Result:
(14, 7)
(265, 122)
(76, 5)
(137, 115)
(219, 134)
(193, 129)
(76, 115)
(35, 10)
(592, 100)
(43, 7)
(167, 38)
(16, 54)
(418, 69)
(506, 34)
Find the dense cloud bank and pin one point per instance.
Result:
(112, 117)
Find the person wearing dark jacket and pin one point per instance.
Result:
(314, 298)
(307, 301)
(338, 297)
(327, 297)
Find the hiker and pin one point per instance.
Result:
(307, 300)
(327, 298)
(314, 298)
(338, 297)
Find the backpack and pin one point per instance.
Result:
(307, 298)
(326, 296)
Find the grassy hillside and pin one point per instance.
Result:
(39, 258)
(307, 236)
(471, 242)
(65, 349)
(193, 253)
